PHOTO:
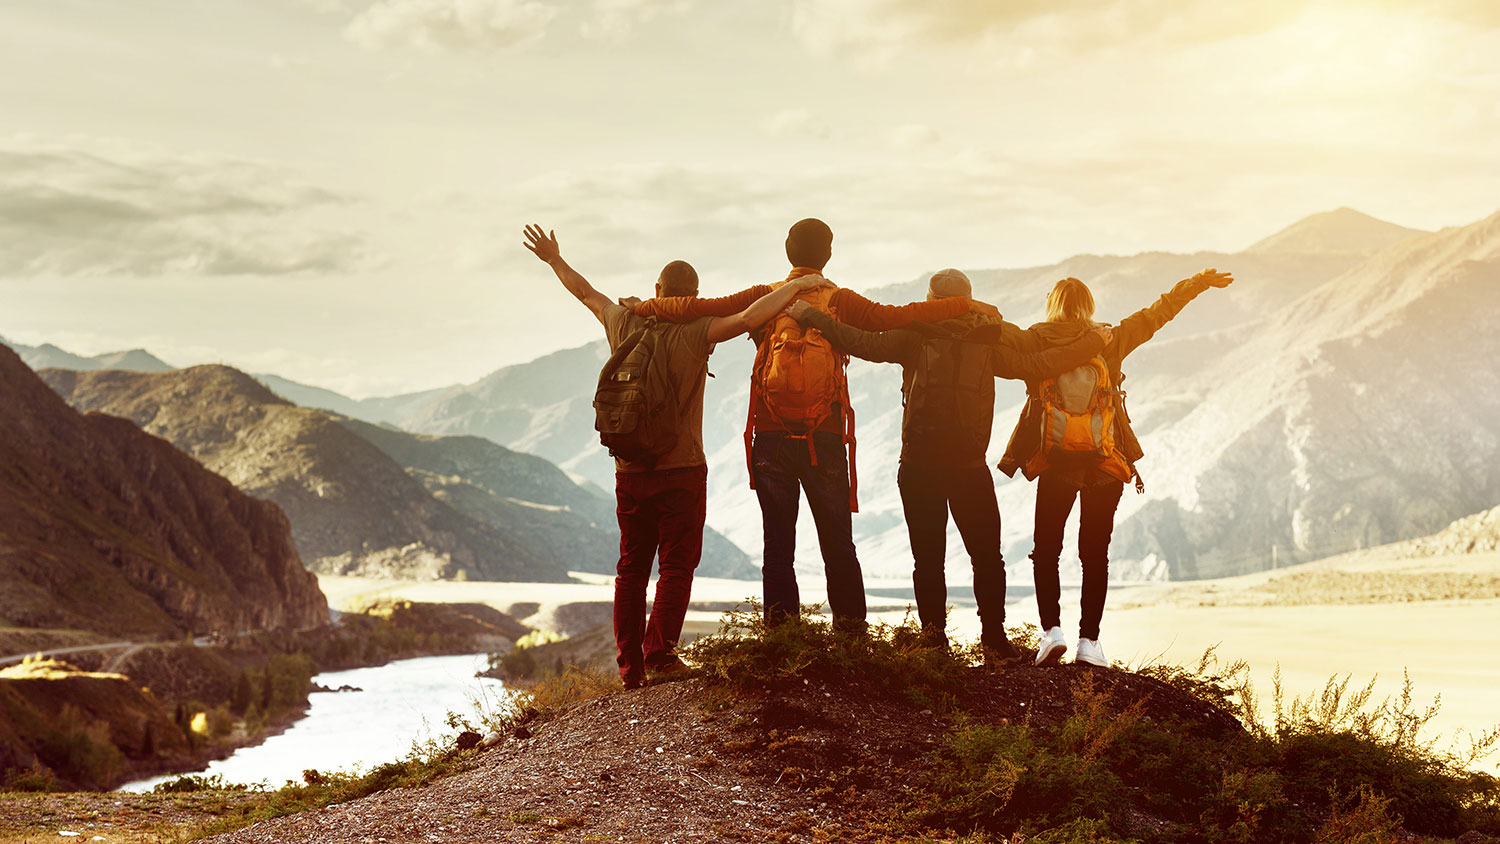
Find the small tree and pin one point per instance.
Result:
(239, 702)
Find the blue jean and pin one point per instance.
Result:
(782, 470)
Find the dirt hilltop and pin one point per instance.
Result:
(687, 762)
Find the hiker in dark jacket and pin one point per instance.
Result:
(948, 372)
(1062, 479)
(661, 504)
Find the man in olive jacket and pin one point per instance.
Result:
(945, 431)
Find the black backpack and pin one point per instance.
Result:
(950, 405)
(635, 405)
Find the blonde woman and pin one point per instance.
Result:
(1097, 480)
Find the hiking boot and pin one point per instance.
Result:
(668, 672)
(999, 651)
(632, 682)
(1089, 653)
(1050, 650)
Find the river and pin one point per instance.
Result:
(401, 702)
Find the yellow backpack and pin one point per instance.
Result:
(801, 378)
(1078, 420)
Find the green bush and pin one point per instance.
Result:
(750, 656)
(79, 748)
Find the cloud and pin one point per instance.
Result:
(795, 123)
(877, 30)
(108, 210)
(450, 24)
(614, 19)
(913, 136)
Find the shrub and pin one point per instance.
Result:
(33, 779)
(79, 749)
(749, 656)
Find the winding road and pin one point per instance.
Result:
(127, 647)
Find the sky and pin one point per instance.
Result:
(334, 190)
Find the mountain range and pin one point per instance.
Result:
(1221, 498)
(104, 527)
(1304, 411)
(368, 500)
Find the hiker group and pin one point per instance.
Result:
(1073, 438)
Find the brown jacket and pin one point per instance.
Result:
(1132, 331)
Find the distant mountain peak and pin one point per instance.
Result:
(1343, 229)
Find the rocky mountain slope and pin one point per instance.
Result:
(544, 406)
(368, 499)
(352, 508)
(104, 527)
(1364, 412)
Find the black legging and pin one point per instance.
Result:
(1054, 501)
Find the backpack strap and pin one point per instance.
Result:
(850, 440)
(750, 416)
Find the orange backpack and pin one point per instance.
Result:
(801, 378)
(1078, 420)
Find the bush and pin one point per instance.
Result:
(750, 656)
(33, 779)
(192, 783)
(79, 749)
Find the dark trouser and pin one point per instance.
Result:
(1054, 501)
(929, 489)
(782, 469)
(661, 515)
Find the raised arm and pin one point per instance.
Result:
(1143, 324)
(761, 310)
(893, 346)
(544, 246)
(1010, 362)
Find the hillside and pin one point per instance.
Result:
(1364, 412)
(799, 735)
(466, 503)
(352, 508)
(1476, 534)
(106, 528)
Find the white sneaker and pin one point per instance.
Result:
(1090, 653)
(1052, 647)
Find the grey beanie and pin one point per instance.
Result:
(949, 283)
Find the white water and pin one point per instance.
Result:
(401, 702)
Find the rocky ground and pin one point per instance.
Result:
(686, 762)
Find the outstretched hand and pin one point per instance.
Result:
(978, 307)
(1215, 278)
(798, 310)
(542, 244)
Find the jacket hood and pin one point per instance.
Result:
(1061, 333)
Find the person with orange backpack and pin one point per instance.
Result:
(799, 437)
(948, 372)
(649, 413)
(1074, 439)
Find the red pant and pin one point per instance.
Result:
(661, 516)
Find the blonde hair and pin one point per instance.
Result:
(1070, 301)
